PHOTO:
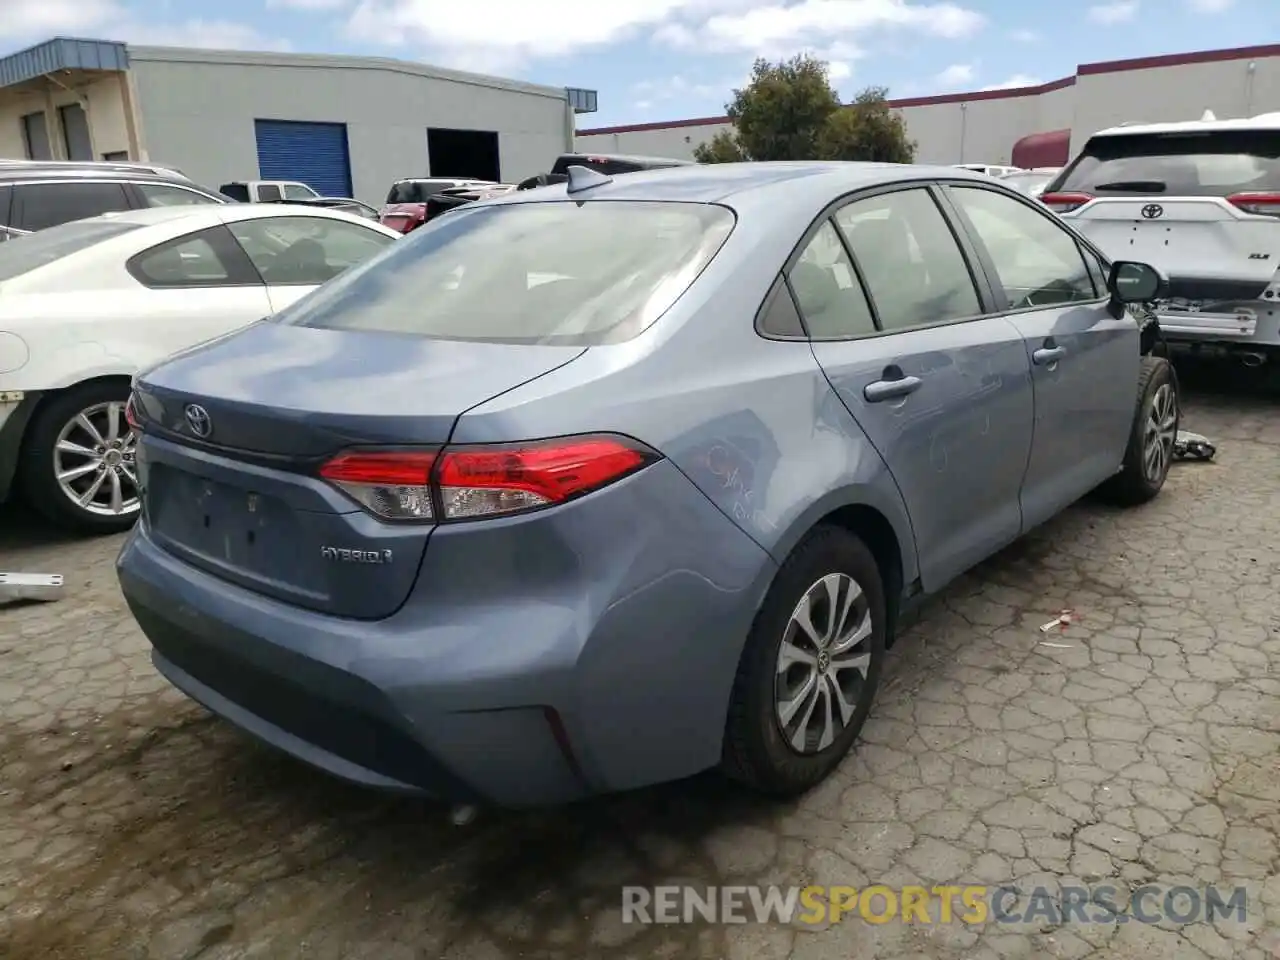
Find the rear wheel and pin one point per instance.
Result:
(810, 667)
(1154, 430)
(77, 465)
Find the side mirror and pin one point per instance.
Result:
(1134, 282)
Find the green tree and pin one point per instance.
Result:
(789, 111)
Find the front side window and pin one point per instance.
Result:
(305, 251)
(1038, 262)
(298, 191)
(561, 272)
(42, 205)
(827, 291)
(190, 261)
(912, 264)
(163, 195)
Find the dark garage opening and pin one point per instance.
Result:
(465, 154)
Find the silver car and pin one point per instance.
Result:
(603, 484)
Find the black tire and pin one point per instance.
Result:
(1135, 484)
(756, 752)
(36, 474)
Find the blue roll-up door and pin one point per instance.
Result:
(313, 153)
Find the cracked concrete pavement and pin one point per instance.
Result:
(1142, 746)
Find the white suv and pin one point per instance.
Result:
(1200, 200)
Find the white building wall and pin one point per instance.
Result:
(198, 109)
(677, 142)
(983, 127)
(1230, 88)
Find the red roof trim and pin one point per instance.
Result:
(1083, 70)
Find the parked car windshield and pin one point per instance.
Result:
(560, 273)
(1214, 164)
(416, 191)
(22, 254)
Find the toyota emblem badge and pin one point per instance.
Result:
(1152, 211)
(198, 420)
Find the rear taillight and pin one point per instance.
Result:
(1064, 202)
(131, 415)
(472, 482)
(1259, 204)
(393, 485)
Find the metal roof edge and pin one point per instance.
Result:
(62, 53)
(337, 61)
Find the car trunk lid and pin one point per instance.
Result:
(236, 431)
(1209, 248)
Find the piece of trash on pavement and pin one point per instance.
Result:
(1193, 446)
(1061, 621)
(1060, 646)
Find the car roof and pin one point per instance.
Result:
(725, 182)
(627, 158)
(1261, 122)
(229, 213)
(19, 172)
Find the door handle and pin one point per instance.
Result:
(882, 390)
(1047, 355)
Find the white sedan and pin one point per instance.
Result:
(85, 305)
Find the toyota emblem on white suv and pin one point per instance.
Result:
(1153, 211)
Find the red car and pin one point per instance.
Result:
(406, 206)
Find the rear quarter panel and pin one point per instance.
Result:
(752, 422)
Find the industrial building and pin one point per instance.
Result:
(346, 126)
(1030, 126)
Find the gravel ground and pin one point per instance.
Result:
(1142, 747)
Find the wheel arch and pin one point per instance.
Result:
(880, 521)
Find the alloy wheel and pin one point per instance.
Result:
(822, 663)
(94, 461)
(1159, 434)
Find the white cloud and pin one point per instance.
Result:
(1210, 6)
(512, 31)
(1121, 11)
(819, 21)
(957, 75)
(1024, 36)
(207, 34)
(40, 19)
(1017, 80)
(31, 21)
(316, 6)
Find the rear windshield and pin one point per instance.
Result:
(1213, 164)
(23, 254)
(236, 191)
(561, 273)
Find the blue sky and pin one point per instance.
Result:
(657, 60)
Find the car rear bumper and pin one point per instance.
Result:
(16, 409)
(500, 681)
(1252, 324)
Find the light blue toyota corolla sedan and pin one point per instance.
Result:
(612, 482)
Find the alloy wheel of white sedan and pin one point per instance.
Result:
(93, 460)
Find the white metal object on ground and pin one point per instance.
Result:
(30, 586)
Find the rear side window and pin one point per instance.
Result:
(236, 191)
(552, 273)
(23, 254)
(1215, 164)
(6, 194)
(42, 205)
